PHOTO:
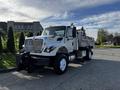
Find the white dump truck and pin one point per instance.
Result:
(56, 47)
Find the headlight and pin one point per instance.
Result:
(49, 49)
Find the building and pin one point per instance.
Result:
(3, 26)
(25, 26)
(22, 26)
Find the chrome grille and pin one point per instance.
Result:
(34, 45)
(37, 44)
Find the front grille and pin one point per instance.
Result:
(37, 44)
(34, 45)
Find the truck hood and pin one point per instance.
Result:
(48, 40)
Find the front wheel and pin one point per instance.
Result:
(20, 67)
(61, 64)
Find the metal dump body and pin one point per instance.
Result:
(83, 40)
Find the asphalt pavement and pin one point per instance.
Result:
(102, 73)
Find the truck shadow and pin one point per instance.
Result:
(45, 72)
(93, 67)
(98, 73)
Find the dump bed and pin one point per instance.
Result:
(83, 40)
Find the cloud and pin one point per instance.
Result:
(62, 5)
(108, 21)
(12, 10)
(92, 15)
(41, 9)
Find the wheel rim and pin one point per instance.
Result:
(63, 64)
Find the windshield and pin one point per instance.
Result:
(54, 32)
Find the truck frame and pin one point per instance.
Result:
(56, 47)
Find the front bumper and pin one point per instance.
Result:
(40, 60)
(27, 59)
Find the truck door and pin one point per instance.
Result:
(69, 40)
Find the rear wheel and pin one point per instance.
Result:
(89, 54)
(61, 64)
(78, 56)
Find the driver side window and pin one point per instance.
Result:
(69, 32)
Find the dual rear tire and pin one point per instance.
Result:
(89, 54)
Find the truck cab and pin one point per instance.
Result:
(56, 47)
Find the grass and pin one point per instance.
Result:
(107, 46)
(7, 60)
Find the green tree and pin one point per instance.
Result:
(21, 40)
(1, 35)
(110, 38)
(1, 47)
(116, 39)
(102, 36)
(38, 34)
(30, 34)
(10, 40)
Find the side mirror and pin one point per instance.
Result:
(59, 39)
(74, 32)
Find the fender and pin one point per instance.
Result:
(62, 50)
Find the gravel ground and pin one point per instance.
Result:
(102, 73)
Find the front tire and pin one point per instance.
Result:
(20, 67)
(61, 64)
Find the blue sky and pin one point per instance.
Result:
(92, 14)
